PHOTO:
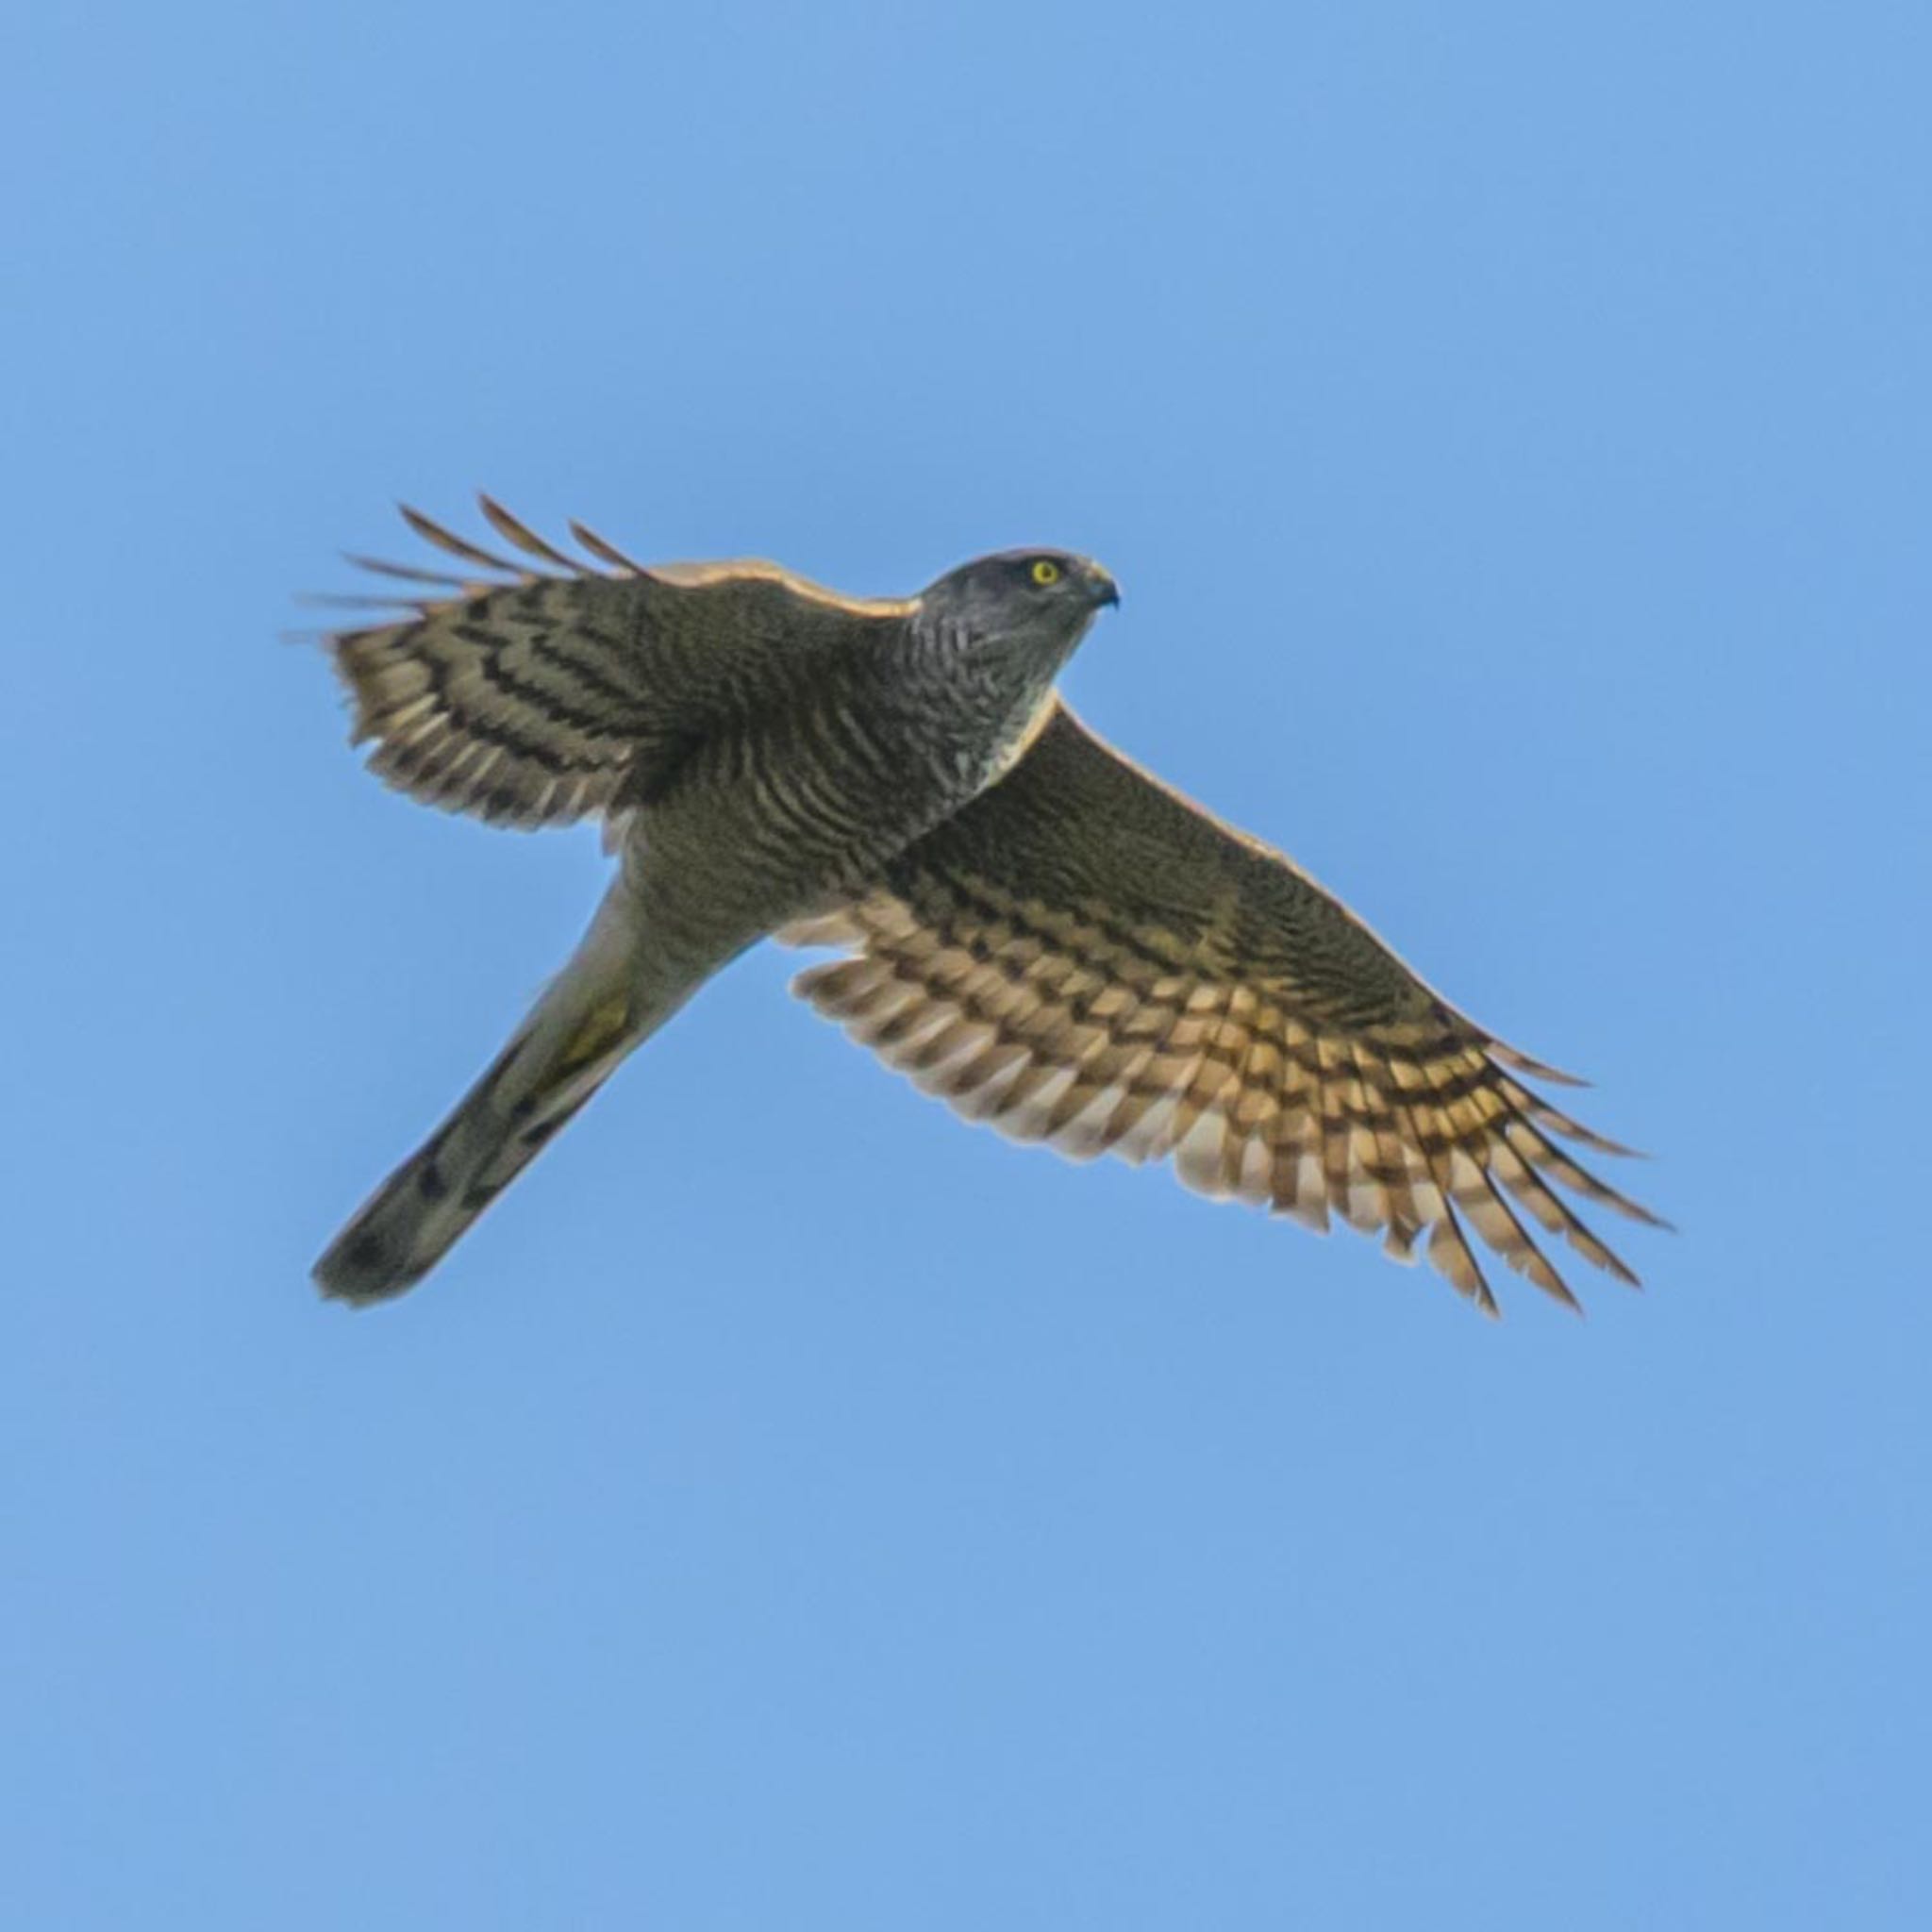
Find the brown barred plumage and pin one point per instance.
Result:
(1037, 930)
(1082, 956)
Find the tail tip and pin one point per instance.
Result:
(361, 1270)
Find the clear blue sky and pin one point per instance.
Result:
(1512, 428)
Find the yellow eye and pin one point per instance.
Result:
(1045, 571)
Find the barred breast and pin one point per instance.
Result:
(804, 801)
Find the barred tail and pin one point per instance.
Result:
(594, 1014)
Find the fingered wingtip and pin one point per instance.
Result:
(447, 541)
(1522, 1062)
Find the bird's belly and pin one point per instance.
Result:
(726, 861)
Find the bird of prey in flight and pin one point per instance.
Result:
(1031, 926)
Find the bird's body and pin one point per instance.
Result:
(1042, 933)
(800, 799)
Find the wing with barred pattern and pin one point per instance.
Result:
(539, 691)
(1083, 957)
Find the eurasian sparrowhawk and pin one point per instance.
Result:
(1035, 928)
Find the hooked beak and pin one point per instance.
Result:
(1101, 587)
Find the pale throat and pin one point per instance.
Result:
(947, 645)
(997, 690)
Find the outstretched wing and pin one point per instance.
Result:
(534, 693)
(1084, 958)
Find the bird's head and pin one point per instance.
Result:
(1041, 599)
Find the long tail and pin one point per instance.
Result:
(596, 1010)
